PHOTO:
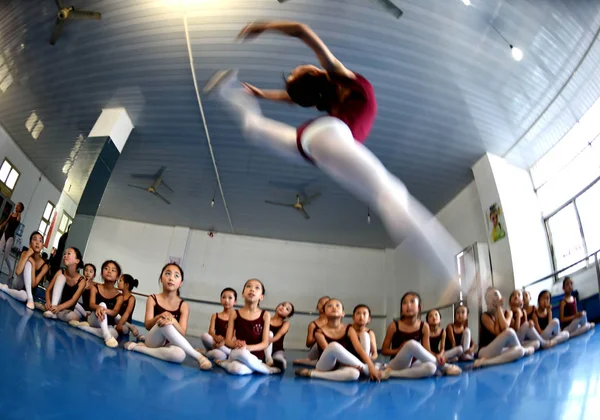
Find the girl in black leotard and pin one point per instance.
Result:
(10, 226)
(214, 339)
(274, 354)
(105, 302)
(437, 335)
(548, 327)
(65, 288)
(83, 305)
(311, 341)
(337, 342)
(29, 272)
(166, 320)
(498, 342)
(408, 339)
(125, 318)
(458, 337)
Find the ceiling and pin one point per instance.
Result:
(447, 89)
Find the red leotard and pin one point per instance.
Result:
(250, 331)
(358, 111)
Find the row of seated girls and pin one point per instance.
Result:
(250, 339)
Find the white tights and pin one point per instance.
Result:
(461, 347)
(402, 367)
(578, 326)
(99, 328)
(242, 362)
(5, 247)
(176, 349)
(504, 349)
(333, 354)
(279, 355)
(333, 148)
(66, 315)
(222, 353)
(528, 336)
(553, 332)
(21, 290)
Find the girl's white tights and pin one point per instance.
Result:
(402, 366)
(166, 343)
(528, 336)
(331, 144)
(66, 315)
(5, 247)
(461, 347)
(222, 353)
(553, 332)
(333, 354)
(242, 362)
(99, 328)
(578, 326)
(21, 290)
(505, 348)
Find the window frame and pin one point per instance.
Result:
(47, 221)
(573, 201)
(12, 168)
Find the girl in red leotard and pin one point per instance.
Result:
(248, 334)
(333, 142)
(214, 340)
(275, 354)
(311, 341)
(571, 320)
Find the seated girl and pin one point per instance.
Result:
(105, 303)
(166, 321)
(248, 334)
(498, 342)
(342, 356)
(29, 272)
(214, 340)
(65, 288)
(407, 342)
(274, 354)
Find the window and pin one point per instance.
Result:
(63, 226)
(46, 219)
(566, 181)
(9, 175)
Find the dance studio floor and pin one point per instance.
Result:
(51, 371)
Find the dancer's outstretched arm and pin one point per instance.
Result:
(301, 31)
(277, 95)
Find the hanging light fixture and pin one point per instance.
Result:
(466, 2)
(368, 216)
(517, 53)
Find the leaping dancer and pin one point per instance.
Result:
(333, 142)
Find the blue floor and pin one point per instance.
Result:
(52, 371)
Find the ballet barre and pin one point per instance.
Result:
(209, 302)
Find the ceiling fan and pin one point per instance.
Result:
(388, 5)
(299, 204)
(67, 13)
(157, 181)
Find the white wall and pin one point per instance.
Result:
(32, 189)
(529, 250)
(294, 271)
(463, 219)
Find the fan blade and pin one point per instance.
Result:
(84, 15)
(59, 4)
(58, 28)
(311, 198)
(138, 187)
(391, 8)
(166, 186)
(161, 197)
(143, 176)
(274, 203)
(304, 213)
